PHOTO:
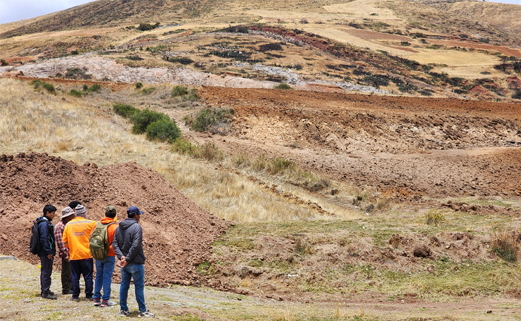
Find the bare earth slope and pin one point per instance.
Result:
(435, 147)
(177, 233)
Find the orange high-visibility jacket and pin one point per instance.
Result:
(76, 238)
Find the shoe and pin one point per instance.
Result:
(97, 302)
(70, 292)
(108, 303)
(67, 292)
(75, 299)
(145, 314)
(89, 297)
(49, 295)
(125, 313)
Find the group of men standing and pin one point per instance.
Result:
(72, 236)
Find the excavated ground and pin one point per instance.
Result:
(401, 145)
(177, 233)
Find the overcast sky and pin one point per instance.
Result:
(13, 10)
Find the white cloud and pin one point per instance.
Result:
(14, 10)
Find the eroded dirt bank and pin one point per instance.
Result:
(177, 233)
(434, 147)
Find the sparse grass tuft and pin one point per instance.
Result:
(434, 217)
(504, 245)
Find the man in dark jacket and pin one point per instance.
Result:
(128, 245)
(48, 249)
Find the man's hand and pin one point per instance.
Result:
(122, 262)
(49, 256)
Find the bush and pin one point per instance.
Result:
(183, 146)
(504, 245)
(163, 130)
(279, 165)
(181, 60)
(209, 117)
(37, 83)
(283, 86)
(95, 88)
(4, 63)
(179, 91)
(147, 26)
(85, 87)
(517, 95)
(210, 152)
(139, 85)
(141, 120)
(75, 93)
(124, 110)
(149, 90)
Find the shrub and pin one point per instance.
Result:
(95, 88)
(85, 87)
(517, 95)
(434, 217)
(139, 85)
(4, 63)
(279, 165)
(147, 26)
(283, 86)
(210, 152)
(141, 120)
(147, 91)
(37, 83)
(209, 117)
(124, 110)
(163, 130)
(181, 60)
(183, 146)
(134, 57)
(179, 91)
(75, 93)
(504, 245)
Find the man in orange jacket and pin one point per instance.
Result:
(76, 238)
(105, 268)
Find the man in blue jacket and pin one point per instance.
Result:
(128, 245)
(48, 249)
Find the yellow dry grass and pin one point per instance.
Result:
(459, 63)
(361, 9)
(34, 121)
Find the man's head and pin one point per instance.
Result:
(49, 211)
(134, 212)
(73, 204)
(67, 215)
(110, 211)
(81, 211)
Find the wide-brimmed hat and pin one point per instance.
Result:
(67, 211)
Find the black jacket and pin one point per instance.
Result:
(128, 241)
(47, 239)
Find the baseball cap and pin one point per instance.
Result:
(135, 210)
(110, 209)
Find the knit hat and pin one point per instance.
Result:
(81, 211)
(67, 211)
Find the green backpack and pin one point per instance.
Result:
(99, 241)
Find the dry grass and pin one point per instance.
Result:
(32, 121)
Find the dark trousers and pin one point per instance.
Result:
(85, 268)
(45, 273)
(66, 276)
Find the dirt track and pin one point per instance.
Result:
(435, 147)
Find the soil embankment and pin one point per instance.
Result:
(177, 233)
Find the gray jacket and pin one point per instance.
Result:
(128, 241)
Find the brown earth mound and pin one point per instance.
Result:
(177, 233)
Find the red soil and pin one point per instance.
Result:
(177, 233)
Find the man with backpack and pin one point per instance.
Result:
(63, 252)
(128, 245)
(43, 245)
(76, 238)
(102, 251)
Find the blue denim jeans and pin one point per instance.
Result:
(104, 270)
(137, 272)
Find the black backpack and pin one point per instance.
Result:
(34, 244)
